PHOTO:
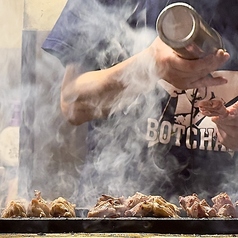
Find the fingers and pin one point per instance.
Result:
(214, 107)
(226, 120)
(228, 127)
(214, 61)
(208, 81)
(233, 109)
(187, 74)
(207, 65)
(227, 124)
(229, 140)
(231, 120)
(196, 73)
(204, 65)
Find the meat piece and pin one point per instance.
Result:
(132, 201)
(188, 201)
(141, 209)
(220, 200)
(38, 207)
(14, 209)
(108, 206)
(115, 201)
(224, 206)
(227, 210)
(196, 208)
(162, 208)
(60, 207)
(236, 208)
(141, 205)
(201, 209)
(104, 209)
(138, 205)
(155, 206)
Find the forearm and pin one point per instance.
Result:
(91, 95)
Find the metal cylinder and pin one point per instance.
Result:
(184, 30)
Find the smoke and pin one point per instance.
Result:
(10, 56)
(111, 156)
(107, 42)
(117, 163)
(52, 152)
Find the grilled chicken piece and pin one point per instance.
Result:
(115, 201)
(224, 206)
(14, 209)
(132, 201)
(104, 209)
(163, 203)
(108, 206)
(38, 207)
(227, 210)
(142, 209)
(220, 200)
(138, 205)
(162, 208)
(201, 209)
(188, 201)
(196, 208)
(60, 207)
(155, 206)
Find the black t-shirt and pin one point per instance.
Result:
(84, 26)
(158, 143)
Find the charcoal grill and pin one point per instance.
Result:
(200, 226)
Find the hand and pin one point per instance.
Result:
(186, 74)
(226, 120)
(214, 107)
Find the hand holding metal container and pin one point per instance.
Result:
(184, 30)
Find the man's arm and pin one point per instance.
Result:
(87, 95)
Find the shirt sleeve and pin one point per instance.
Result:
(68, 40)
(98, 33)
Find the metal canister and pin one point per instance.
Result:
(184, 30)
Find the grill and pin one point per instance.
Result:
(183, 225)
(211, 226)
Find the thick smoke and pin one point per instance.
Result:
(53, 152)
(10, 97)
(116, 164)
